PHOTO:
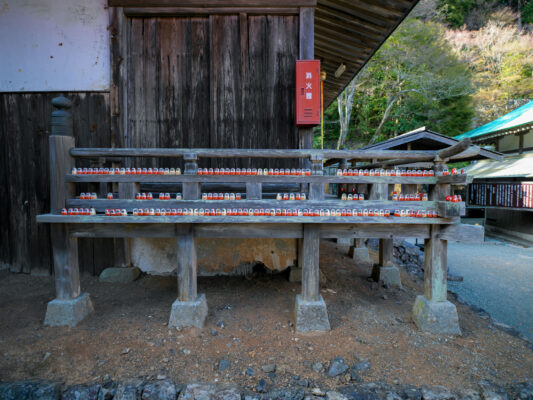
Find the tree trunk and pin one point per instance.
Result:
(392, 101)
(345, 105)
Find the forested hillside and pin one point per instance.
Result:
(452, 65)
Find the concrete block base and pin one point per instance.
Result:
(360, 256)
(119, 275)
(389, 275)
(188, 313)
(311, 316)
(436, 316)
(344, 244)
(68, 312)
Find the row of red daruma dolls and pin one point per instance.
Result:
(273, 212)
(257, 171)
(126, 171)
(395, 172)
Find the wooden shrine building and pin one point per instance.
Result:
(197, 85)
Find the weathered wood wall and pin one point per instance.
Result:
(217, 81)
(214, 81)
(25, 182)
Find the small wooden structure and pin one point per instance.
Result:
(431, 312)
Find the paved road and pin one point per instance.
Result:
(498, 277)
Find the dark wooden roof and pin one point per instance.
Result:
(349, 32)
(426, 139)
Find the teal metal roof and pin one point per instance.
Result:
(521, 116)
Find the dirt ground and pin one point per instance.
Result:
(127, 337)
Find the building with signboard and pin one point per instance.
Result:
(502, 192)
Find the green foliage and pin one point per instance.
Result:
(527, 13)
(455, 11)
(418, 76)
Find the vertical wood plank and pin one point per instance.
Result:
(435, 268)
(67, 272)
(60, 164)
(307, 48)
(310, 262)
(187, 264)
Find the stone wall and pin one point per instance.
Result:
(216, 256)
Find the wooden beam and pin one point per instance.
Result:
(187, 264)
(211, 3)
(151, 12)
(310, 262)
(435, 270)
(455, 149)
(61, 163)
(66, 269)
(306, 52)
(418, 155)
(111, 221)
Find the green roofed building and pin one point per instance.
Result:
(502, 191)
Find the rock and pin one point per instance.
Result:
(107, 390)
(159, 391)
(361, 366)
(261, 386)
(221, 324)
(223, 365)
(411, 393)
(209, 391)
(317, 367)
(186, 351)
(524, 391)
(214, 332)
(392, 396)
(490, 391)
(335, 396)
(17, 390)
(119, 275)
(436, 393)
(354, 376)
(317, 392)
(303, 383)
(125, 351)
(250, 371)
(469, 394)
(45, 391)
(82, 392)
(337, 367)
(269, 368)
(127, 391)
(454, 277)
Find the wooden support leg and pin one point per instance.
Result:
(359, 254)
(190, 309)
(432, 312)
(310, 253)
(385, 271)
(69, 307)
(311, 312)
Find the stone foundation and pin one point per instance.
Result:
(436, 316)
(188, 313)
(68, 312)
(311, 316)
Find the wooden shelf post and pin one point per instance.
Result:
(191, 190)
(431, 311)
(189, 309)
(385, 271)
(69, 307)
(311, 313)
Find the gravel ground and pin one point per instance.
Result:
(498, 278)
(248, 331)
